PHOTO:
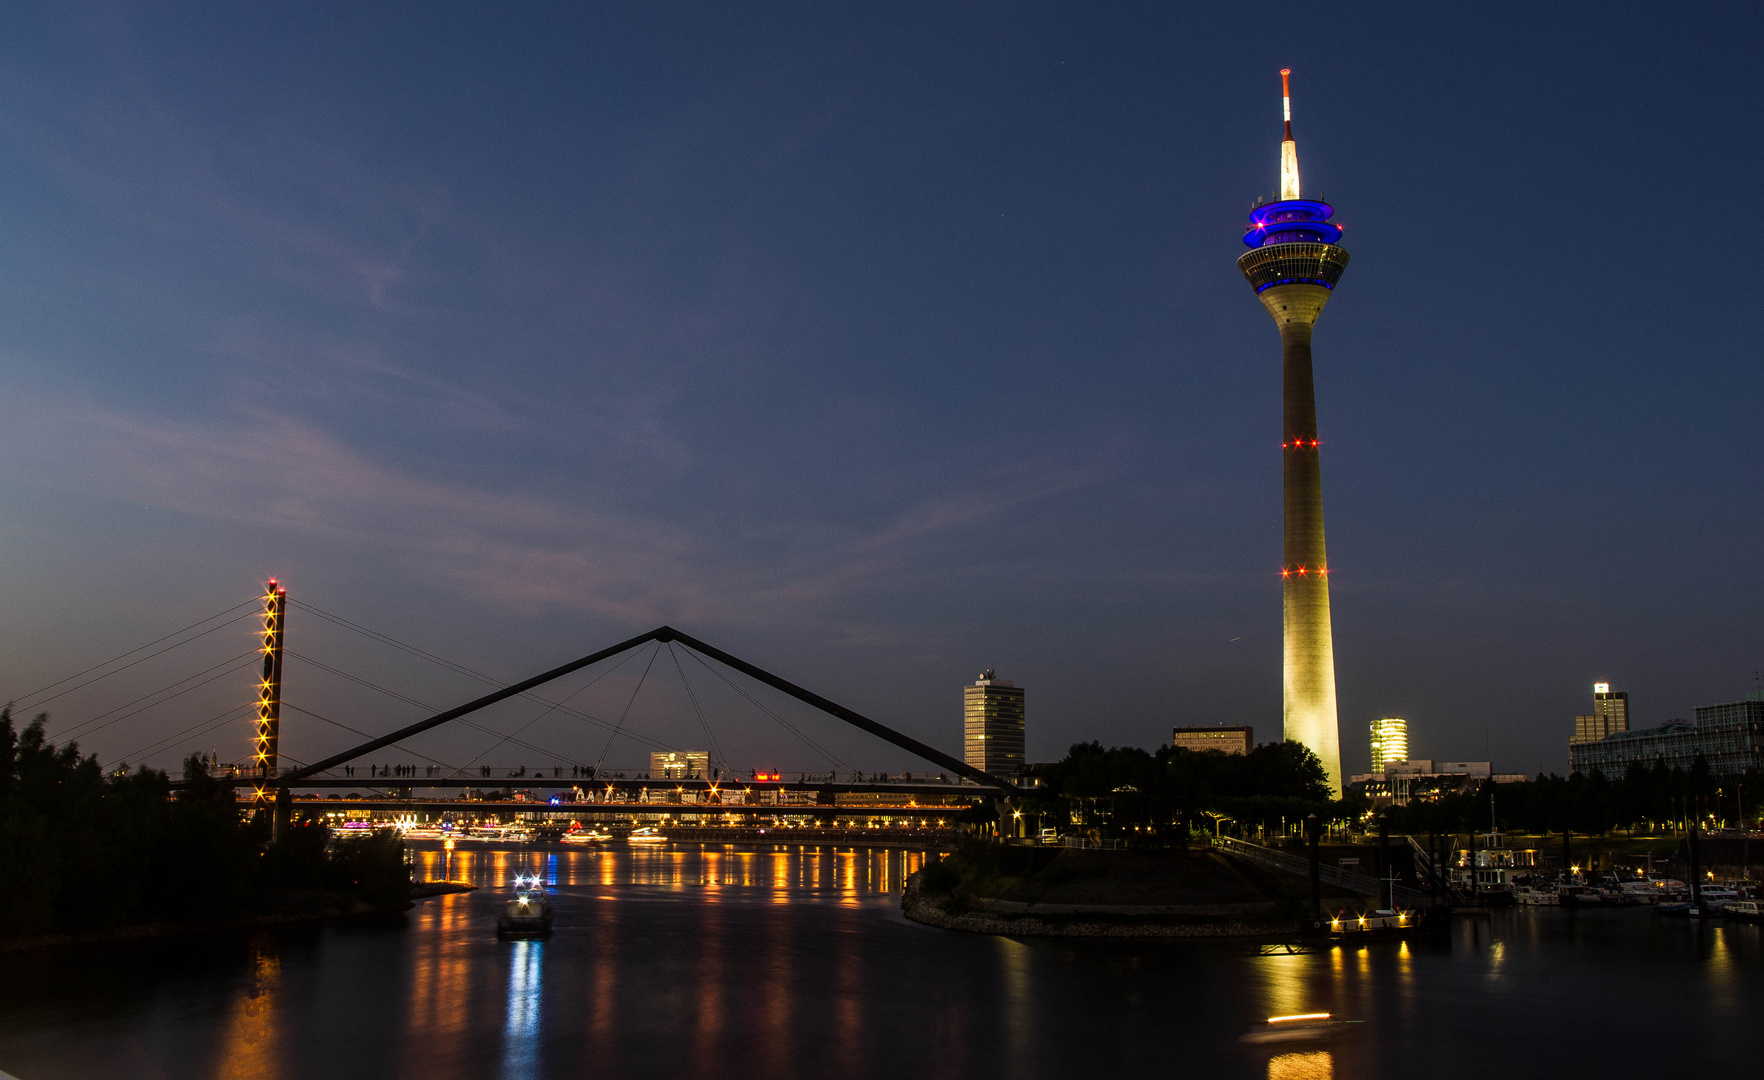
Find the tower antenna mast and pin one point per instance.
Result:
(1289, 174)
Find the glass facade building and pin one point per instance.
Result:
(1729, 737)
(1390, 742)
(992, 726)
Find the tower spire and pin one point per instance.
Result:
(1289, 174)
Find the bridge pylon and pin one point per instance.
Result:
(269, 690)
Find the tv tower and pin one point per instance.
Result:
(1293, 264)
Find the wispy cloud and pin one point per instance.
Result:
(514, 547)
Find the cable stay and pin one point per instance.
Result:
(559, 707)
(461, 669)
(719, 761)
(663, 635)
(218, 720)
(785, 724)
(243, 660)
(32, 701)
(413, 701)
(601, 760)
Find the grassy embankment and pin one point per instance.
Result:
(1015, 890)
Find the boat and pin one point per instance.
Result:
(1713, 896)
(529, 913)
(1299, 1028)
(649, 834)
(1579, 896)
(1744, 910)
(586, 836)
(1535, 897)
(1383, 921)
(1679, 910)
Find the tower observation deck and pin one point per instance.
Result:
(1294, 264)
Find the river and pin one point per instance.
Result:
(709, 961)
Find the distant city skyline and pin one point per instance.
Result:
(876, 346)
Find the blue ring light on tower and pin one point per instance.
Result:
(1291, 242)
(1292, 221)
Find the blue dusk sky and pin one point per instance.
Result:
(877, 344)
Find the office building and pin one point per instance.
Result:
(1404, 782)
(1294, 265)
(992, 726)
(1226, 740)
(1609, 716)
(1390, 741)
(681, 765)
(1730, 738)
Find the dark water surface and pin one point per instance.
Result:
(793, 962)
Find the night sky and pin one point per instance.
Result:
(878, 344)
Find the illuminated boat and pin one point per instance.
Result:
(649, 834)
(1382, 922)
(586, 836)
(1299, 1028)
(529, 913)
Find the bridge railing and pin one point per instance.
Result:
(1341, 878)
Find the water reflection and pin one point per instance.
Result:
(849, 875)
(250, 1043)
(520, 1046)
(1317, 1065)
(680, 964)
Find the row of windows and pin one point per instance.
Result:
(1286, 264)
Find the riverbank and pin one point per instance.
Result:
(991, 889)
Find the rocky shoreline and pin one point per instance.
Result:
(1118, 921)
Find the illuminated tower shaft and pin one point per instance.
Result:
(269, 683)
(1294, 266)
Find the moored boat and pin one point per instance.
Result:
(1745, 910)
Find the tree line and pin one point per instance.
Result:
(81, 850)
(1644, 799)
(1162, 796)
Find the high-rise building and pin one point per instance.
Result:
(1226, 740)
(992, 726)
(1609, 716)
(1390, 742)
(680, 765)
(1294, 265)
